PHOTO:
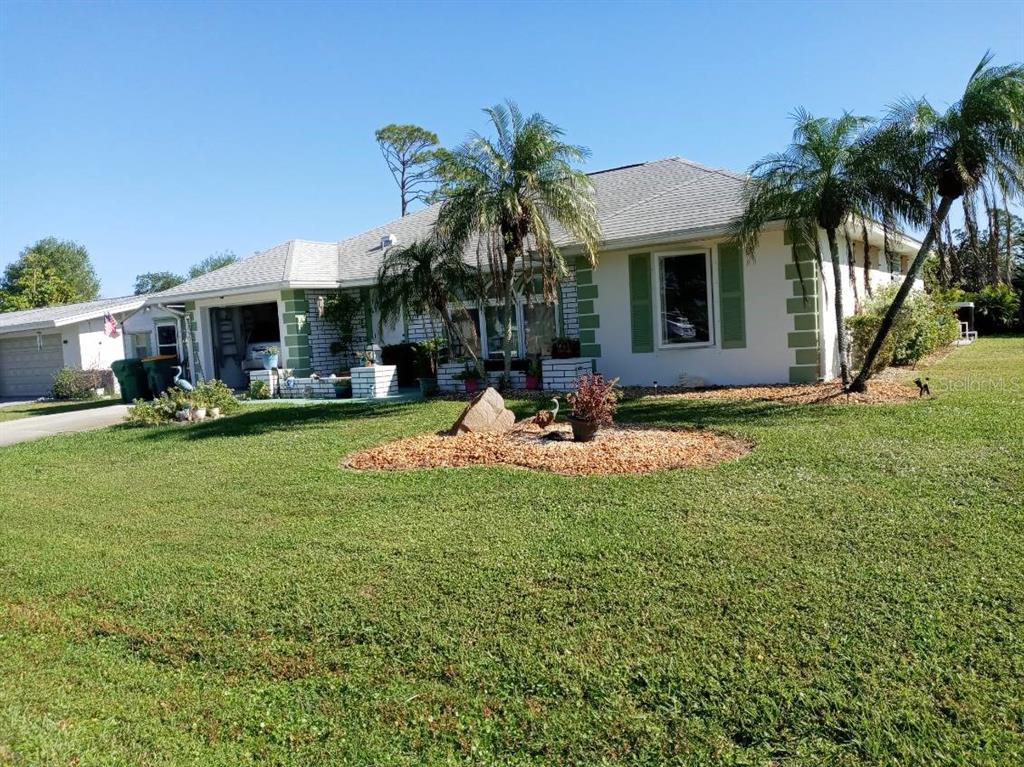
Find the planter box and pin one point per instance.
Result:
(446, 380)
(299, 388)
(375, 382)
(268, 377)
(561, 375)
(557, 375)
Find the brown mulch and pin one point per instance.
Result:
(615, 450)
(831, 392)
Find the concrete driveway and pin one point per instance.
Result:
(38, 426)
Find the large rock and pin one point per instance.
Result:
(485, 413)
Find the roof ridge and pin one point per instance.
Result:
(708, 169)
(288, 258)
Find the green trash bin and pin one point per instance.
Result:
(160, 372)
(132, 378)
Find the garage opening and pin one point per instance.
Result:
(240, 334)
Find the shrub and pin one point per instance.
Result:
(924, 324)
(259, 390)
(159, 411)
(996, 309)
(215, 394)
(74, 383)
(594, 399)
(164, 408)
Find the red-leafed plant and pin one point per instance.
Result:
(595, 399)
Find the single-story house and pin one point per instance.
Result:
(670, 300)
(36, 343)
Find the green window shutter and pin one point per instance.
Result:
(730, 297)
(641, 309)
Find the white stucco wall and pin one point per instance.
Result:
(766, 358)
(95, 349)
(854, 292)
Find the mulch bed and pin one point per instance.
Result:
(615, 450)
(829, 393)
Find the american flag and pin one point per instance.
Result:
(110, 326)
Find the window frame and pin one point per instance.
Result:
(520, 305)
(658, 302)
(177, 338)
(134, 347)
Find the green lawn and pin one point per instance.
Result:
(25, 410)
(851, 593)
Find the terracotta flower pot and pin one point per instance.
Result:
(583, 431)
(533, 382)
(472, 385)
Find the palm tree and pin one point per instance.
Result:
(817, 182)
(979, 138)
(507, 192)
(425, 277)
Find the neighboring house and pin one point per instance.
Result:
(36, 343)
(669, 301)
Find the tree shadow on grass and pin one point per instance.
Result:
(254, 421)
(722, 413)
(33, 409)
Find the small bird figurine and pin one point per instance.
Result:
(545, 418)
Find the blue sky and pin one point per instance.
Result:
(157, 134)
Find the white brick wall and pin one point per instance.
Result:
(446, 380)
(375, 382)
(267, 377)
(322, 335)
(420, 328)
(561, 375)
(558, 375)
(301, 388)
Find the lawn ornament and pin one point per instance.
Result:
(545, 418)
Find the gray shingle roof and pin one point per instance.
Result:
(635, 201)
(66, 314)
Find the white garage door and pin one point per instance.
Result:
(26, 370)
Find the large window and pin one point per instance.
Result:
(469, 327)
(167, 339)
(539, 321)
(534, 327)
(494, 317)
(685, 294)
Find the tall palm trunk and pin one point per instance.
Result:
(837, 278)
(867, 258)
(510, 306)
(513, 246)
(860, 382)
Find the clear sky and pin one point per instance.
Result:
(156, 134)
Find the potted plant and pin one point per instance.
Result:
(428, 356)
(593, 405)
(565, 348)
(343, 387)
(270, 355)
(366, 358)
(471, 377)
(533, 373)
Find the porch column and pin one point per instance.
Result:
(295, 343)
(193, 342)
